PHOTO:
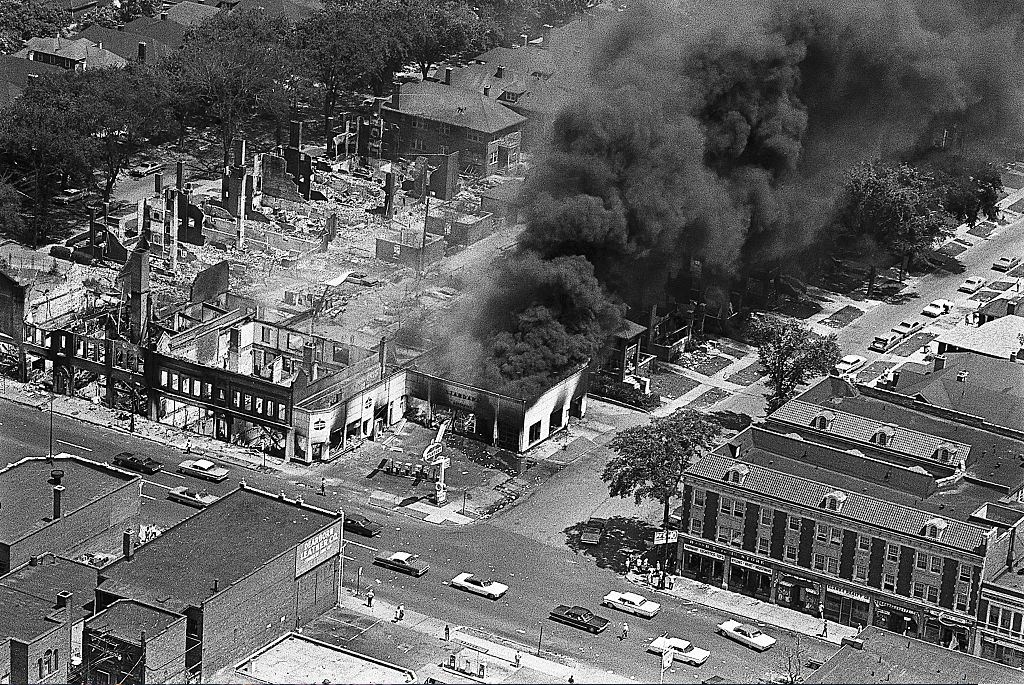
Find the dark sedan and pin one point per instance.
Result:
(578, 617)
(362, 526)
(403, 562)
(133, 462)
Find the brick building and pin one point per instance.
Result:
(850, 506)
(66, 505)
(244, 571)
(133, 643)
(433, 118)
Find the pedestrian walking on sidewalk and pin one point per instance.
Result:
(625, 631)
(401, 612)
(369, 598)
(323, 486)
(188, 447)
(447, 632)
(824, 628)
(519, 659)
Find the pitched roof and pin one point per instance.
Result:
(20, 71)
(77, 49)
(862, 429)
(168, 32)
(783, 483)
(997, 338)
(1001, 307)
(529, 60)
(188, 13)
(992, 390)
(227, 540)
(456, 106)
(125, 44)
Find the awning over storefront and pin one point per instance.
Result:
(956, 621)
(808, 585)
(705, 552)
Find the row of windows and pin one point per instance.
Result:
(48, 663)
(239, 400)
(1004, 620)
(825, 533)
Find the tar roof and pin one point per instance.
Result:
(231, 538)
(456, 106)
(787, 480)
(993, 389)
(889, 657)
(26, 482)
(28, 595)
(996, 338)
(125, 619)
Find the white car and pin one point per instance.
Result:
(746, 634)
(850, 363)
(632, 603)
(937, 308)
(682, 650)
(906, 328)
(479, 586)
(203, 468)
(972, 284)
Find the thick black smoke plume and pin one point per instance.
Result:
(722, 131)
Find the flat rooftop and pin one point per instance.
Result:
(891, 658)
(299, 659)
(26, 494)
(125, 619)
(229, 539)
(28, 595)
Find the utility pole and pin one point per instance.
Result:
(50, 452)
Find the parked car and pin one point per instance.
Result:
(850, 363)
(193, 498)
(972, 284)
(362, 526)
(937, 308)
(133, 462)
(578, 617)
(907, 328)
(593, 531)
(70, 195)
(147, 169)
(403, 562)
(746, 634)
(1005, 263)
(682, 650)
(885, 342)
(479, 586)
(632, 603)
(203, 468)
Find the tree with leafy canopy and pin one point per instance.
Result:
(650, 459)
(121, 108)
(117, 14)
(436, 30)
(897, 206)
(228, 65)
(20, 21)
(790, 354)
(11, 221)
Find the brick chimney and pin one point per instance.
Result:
(487, 91)
(525, 39)
(447, 76)
(500, 73)
(64, 599)
(58, 506)
(233, 338)
(158, 183)
(142, 51)
(396, 97)
(546, 35)
(127, 545)
(163, 16)
(939, 362)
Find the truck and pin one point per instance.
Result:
(593, 531)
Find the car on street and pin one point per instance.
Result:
(907, 328)
(1005, 263)
(972, 284)
(632, 603)
(746, 634)
(203, 468)
(479, 586)
(937, 308)
(593, 531)
(682, 649)
(885, 342)
(70, 195)
(362, 526)
(578, 617)
(403, 562)
(193, 498)
(147, 169)
(850, 363)
(133, 462)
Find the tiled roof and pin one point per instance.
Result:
(997, 338)
(861, 429)
(456, 106)
(189, 13)
(859, 507)
(168, 32)
(528, 60)
(125, 44)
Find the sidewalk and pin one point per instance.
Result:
(94, 412)
(461, 637)
(754, 609)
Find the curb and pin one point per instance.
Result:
(110, 426)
